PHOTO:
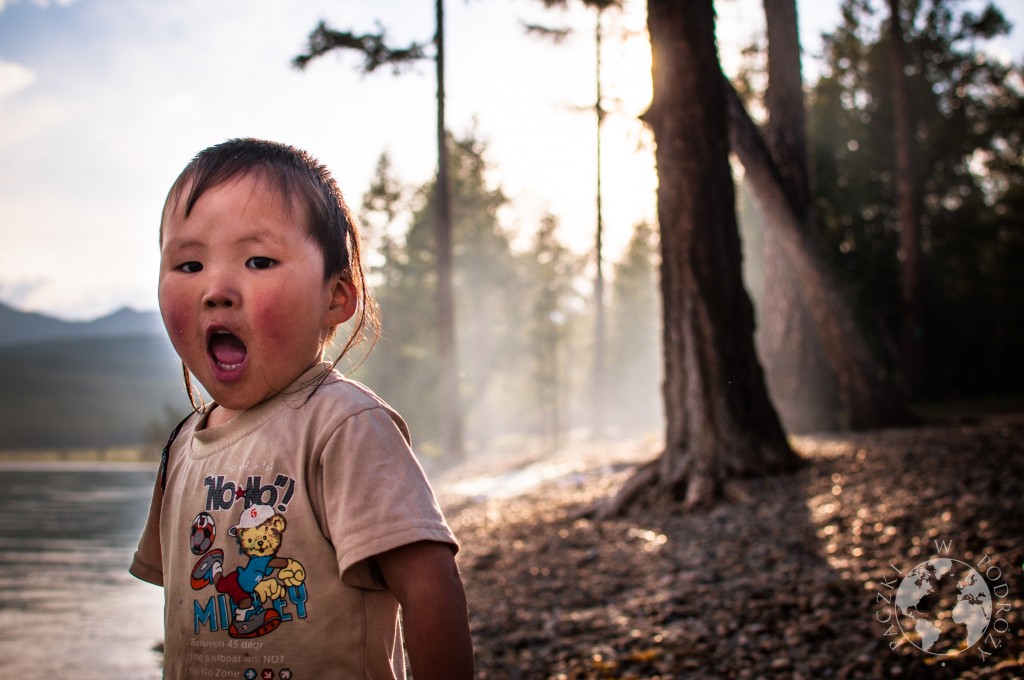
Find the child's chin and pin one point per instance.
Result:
(230, 404)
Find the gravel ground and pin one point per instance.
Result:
(789, 578)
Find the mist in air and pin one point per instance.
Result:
(526, 330)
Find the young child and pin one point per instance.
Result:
(290, 519)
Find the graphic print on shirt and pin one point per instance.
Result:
(266, 588)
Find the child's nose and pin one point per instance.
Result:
(220, 294)
(217, 301)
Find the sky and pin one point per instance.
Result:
(103, 102)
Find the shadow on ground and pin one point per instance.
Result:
(795, 580)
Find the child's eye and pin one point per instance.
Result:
(260, 262)
(190, 267)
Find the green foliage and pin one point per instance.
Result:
(967, 108)
(403, 367)
(523, 328)
(551, 272)
(634, 336)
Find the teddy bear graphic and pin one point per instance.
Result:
(259, 532)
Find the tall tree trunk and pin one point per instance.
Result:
(786, 130)
(376, 53)
(720, 422)
(800, 381)
(908, 206)
(599, 414)
(868, 398)
(448, 387)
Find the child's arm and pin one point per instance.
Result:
(425, 580)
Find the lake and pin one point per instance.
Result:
(68, 606)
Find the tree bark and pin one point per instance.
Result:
(908, 205)
(786, 130)
(801, 383)
(868, 398)
(599, 412)
(448, 383)
(720, 421)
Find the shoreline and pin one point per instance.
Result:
(112, 454)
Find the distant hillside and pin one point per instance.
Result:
(18, 328)
(87, 391)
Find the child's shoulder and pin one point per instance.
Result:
(345, 398)
(338, 388)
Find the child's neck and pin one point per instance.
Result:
(220, 416)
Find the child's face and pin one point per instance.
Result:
(242, 292)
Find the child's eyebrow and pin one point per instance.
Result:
(260, 237)
(181, 243)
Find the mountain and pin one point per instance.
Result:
(17, 327)
(106, 382)
(125, 321)
(89, 392)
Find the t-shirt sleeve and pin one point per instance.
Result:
(147, 563)
(376, 496)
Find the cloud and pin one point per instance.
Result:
(19, 292)
(4, 4)
(14, 77)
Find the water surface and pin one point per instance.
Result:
(68, 606)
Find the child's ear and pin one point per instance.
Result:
(343, 302)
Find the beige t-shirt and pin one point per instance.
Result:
(264, 536)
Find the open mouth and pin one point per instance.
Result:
(227, 350)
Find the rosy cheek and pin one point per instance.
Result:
(272, 320)
(177, 320)
(173, 315)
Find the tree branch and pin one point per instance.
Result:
(376, 53)
(555, 35)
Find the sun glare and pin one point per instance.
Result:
(629, 179)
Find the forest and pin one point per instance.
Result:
(815, 354)
(525, 312)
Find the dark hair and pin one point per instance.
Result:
(302, 180)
